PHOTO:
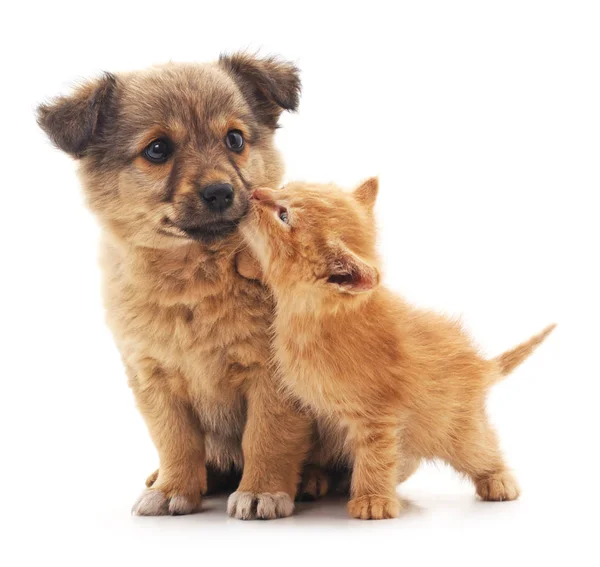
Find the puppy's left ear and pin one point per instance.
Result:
(269, 84)
(366, 192)
(349, 273)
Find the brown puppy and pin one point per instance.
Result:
(401, 384)
(167, 158)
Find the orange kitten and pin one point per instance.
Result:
(402, 384)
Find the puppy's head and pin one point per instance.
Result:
(171, 154)
(315, 239)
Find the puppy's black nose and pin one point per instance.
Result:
(218, 196)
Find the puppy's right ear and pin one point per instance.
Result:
(72, 122)
(270, 85)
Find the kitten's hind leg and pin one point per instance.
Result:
(407, 466)
(478, 455)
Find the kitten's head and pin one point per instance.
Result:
(315, 238)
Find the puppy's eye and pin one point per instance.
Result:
(158, 151)
(283, 216)
(235, 140)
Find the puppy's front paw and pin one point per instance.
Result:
(371, 507)
(263, 506)
(154, 502)
(498, 487)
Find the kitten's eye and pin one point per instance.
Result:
(235, 140)
(157, 151)
(283, 216)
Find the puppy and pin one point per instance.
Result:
(402, 384)
(167, 159)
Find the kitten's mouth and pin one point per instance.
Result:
(267, 213)
(263, 201)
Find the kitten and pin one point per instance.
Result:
(403, 384)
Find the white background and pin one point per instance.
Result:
(483, 121)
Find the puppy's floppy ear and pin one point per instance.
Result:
(350, 273)
(72, 122)
(270, 85)
(366, 192)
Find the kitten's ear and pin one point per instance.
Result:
(268, 84)
(73, 121)
(366, 192)
(350, 273)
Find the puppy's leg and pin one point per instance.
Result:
(152, 479)
(275, 443)
(314, 483)
(217, 480)
(181, 479)
(316, 479)
(373, 486)
(478, 456)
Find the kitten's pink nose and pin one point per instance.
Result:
(261, 194)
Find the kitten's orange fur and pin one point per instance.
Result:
(401, 383)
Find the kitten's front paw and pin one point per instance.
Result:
(372, 507)
(154, 502)
(498, 487)
(263, 506)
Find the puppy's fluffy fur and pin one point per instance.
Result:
(401, 384)
(192, 333)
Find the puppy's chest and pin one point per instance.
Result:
(212, 334)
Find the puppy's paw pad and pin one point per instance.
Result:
(314, 485)
(155, 503)
(259, 506)
(374, 507)
(498, 487)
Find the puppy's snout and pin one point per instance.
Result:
(217, 196)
